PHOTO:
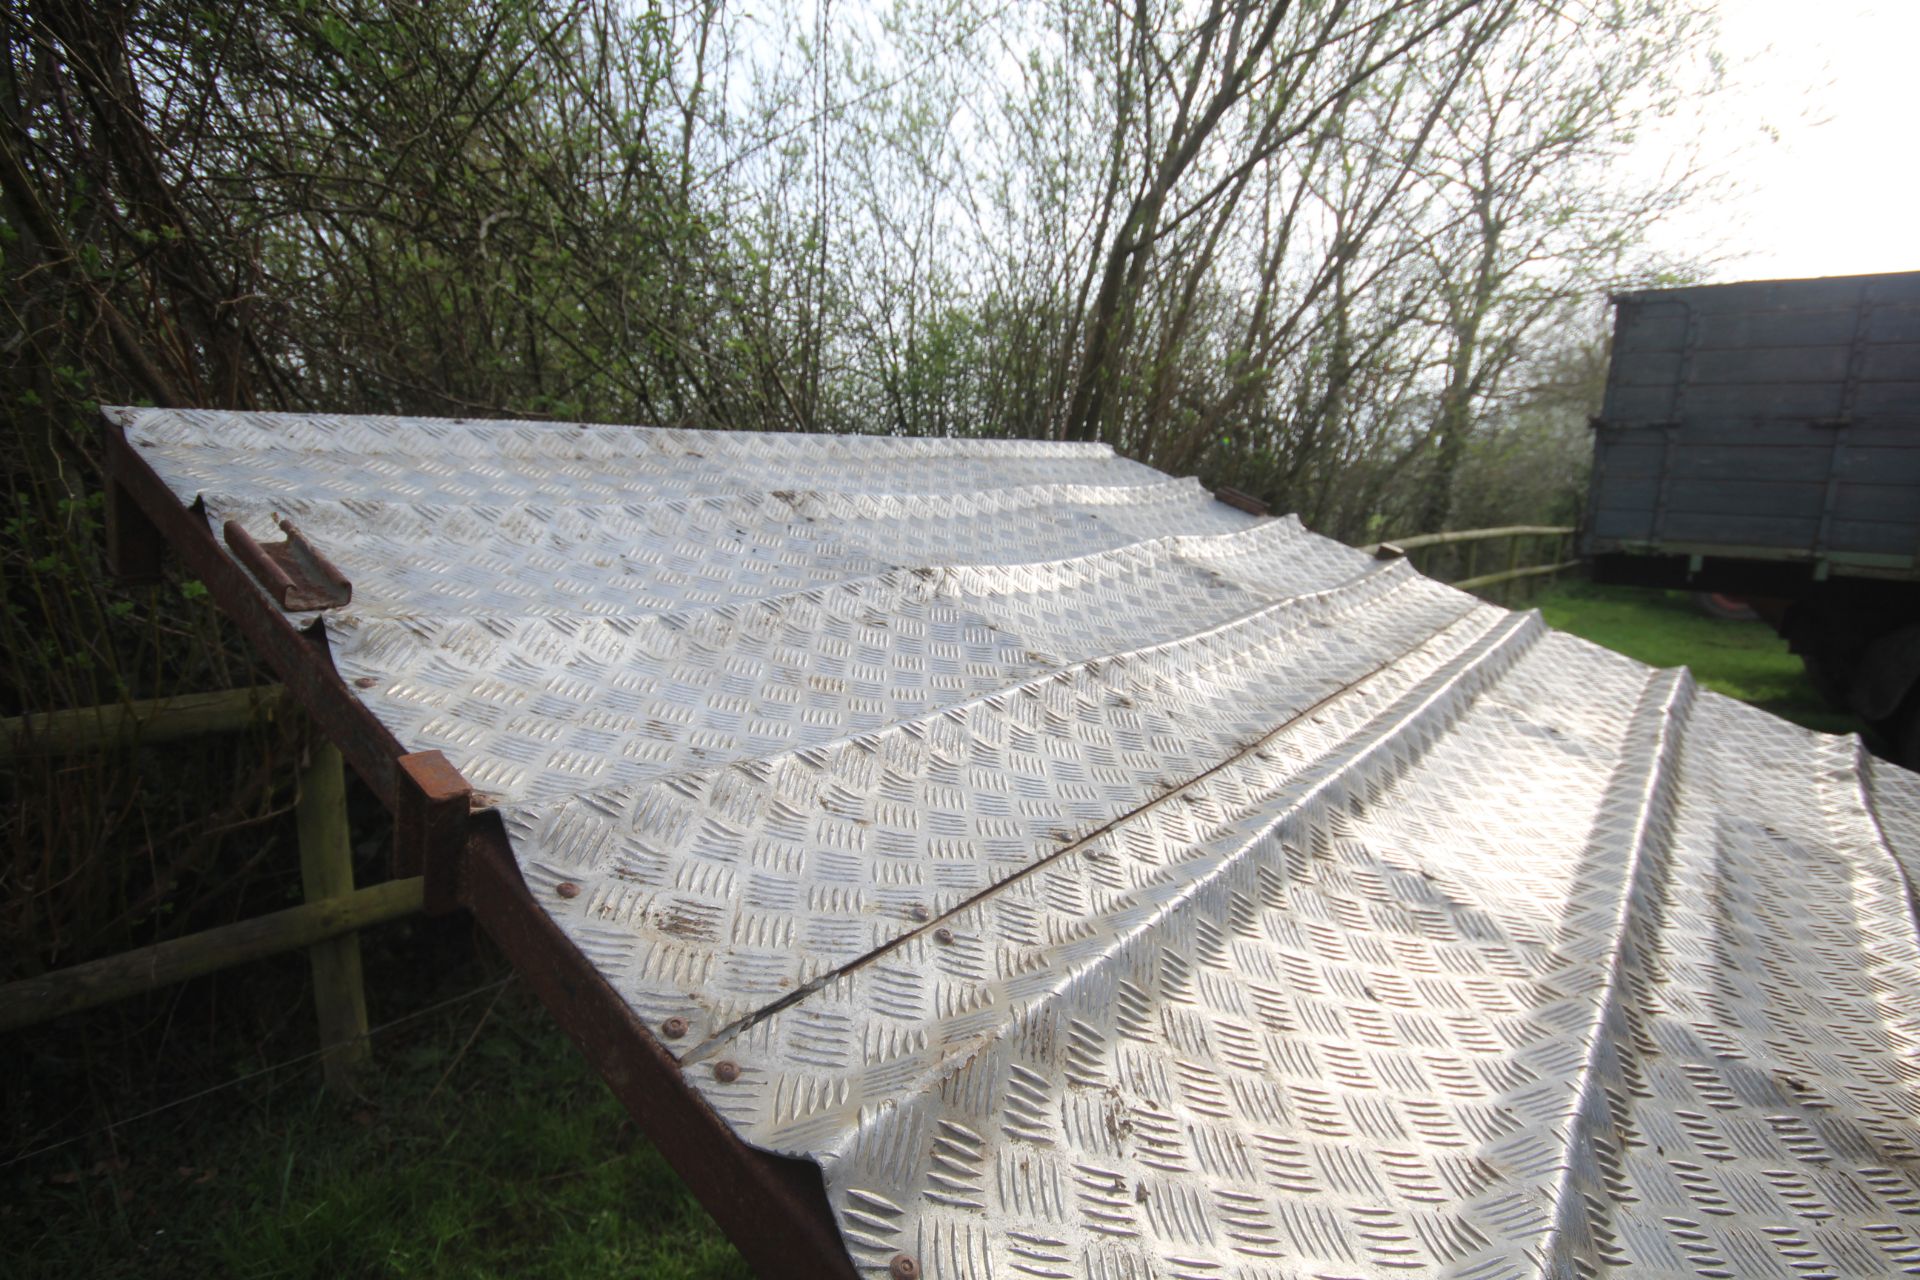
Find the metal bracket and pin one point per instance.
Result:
(1241, 501)
(430, 812)
(294, 573)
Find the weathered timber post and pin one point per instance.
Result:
(326, 871)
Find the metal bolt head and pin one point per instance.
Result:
(567, 889)
(903, 1267)
(942, 934)
(673, 1028)
(726, 1072)
(367, 682)
(919, 912)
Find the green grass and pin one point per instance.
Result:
(508, 1159)
(1743, 660)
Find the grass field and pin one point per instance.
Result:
(1743, 660)
(483, 1145)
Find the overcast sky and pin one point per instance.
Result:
(1838, 192)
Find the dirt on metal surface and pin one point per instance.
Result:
(1091, 879)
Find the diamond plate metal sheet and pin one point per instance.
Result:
(1097, 881)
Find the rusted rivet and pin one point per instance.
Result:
(726, 1072)
(567, 889)
(942, 934)
(367, 682)
(673, 1028)
(919, 912)
(903, 1267)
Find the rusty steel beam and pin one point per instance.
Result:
(773, 1208)
(299, 656)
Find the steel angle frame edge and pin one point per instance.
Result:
(774, 1208)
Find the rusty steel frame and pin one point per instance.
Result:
(773, 1208)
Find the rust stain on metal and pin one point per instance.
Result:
(435, 776)
(293, 571)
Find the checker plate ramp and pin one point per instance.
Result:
(1098, 881)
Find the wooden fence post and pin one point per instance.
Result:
(326, 871)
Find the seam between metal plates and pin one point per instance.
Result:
(945, 582)
(1454, 688)
(1506, 631)
(1386, 579)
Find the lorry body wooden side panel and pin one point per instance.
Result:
(1774, 419)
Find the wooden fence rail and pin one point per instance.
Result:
(1513, 575)
(326, 925)
(1471, 535)
(1515, 535)
(310, 924)
(89, 729)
